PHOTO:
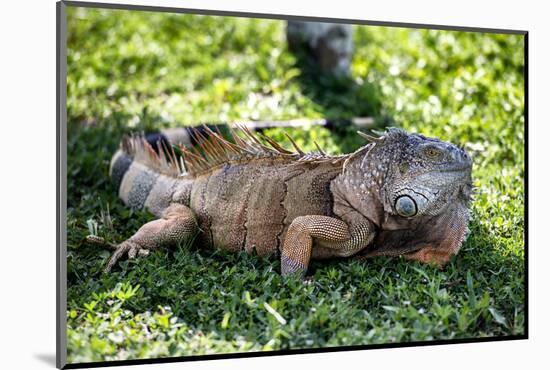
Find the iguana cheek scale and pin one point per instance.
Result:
(252, 194)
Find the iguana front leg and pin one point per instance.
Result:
(328, 232)
(177, 224)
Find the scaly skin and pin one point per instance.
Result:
(402, 194)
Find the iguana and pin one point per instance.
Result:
(399, 194)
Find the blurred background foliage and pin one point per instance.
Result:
(131, 71)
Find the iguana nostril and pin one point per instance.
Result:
(460, 155)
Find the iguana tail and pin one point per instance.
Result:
(148, 174)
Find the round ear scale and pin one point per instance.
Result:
(406, 206)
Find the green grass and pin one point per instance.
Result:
(140, 71)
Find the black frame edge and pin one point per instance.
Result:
(213, 12)
(61, 186)
(236, 355)
(526, 179)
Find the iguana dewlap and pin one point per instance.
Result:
(401, 194)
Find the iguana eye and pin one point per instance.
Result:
(432, 152)
(406, 206)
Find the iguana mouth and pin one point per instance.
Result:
(457, 169)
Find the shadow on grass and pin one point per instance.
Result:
(340, 98)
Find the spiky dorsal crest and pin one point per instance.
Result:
(212, 150)
(390, 136)
(165, 161)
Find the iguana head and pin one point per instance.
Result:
(415, 189)
(425, 176)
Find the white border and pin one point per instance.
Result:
(28, 188)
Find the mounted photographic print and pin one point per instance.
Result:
(237, 184)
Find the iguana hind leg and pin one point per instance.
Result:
(177, 224)
(327, 232)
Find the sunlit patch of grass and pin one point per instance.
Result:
(140, 71)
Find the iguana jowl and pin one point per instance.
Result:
(400, 194)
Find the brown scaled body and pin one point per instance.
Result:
(250, 205)
(402, 194)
